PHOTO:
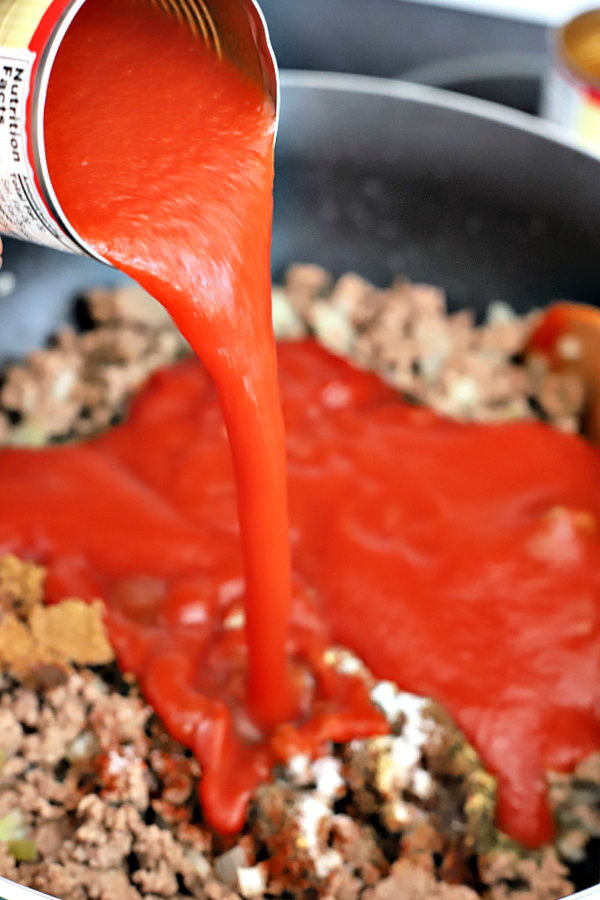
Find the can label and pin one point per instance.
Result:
(23, 211)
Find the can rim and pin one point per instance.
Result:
(40, 90)
(39, 95)
(263, 41)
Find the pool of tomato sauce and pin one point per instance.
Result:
(459, 561)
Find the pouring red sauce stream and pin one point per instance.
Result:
(476, 584)
(162, 158)
(161, 155)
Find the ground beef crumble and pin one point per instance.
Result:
(105, 804)
(37, 642)
(97, 802)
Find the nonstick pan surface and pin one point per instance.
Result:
(387, 178)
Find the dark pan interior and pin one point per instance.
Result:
(385, 179)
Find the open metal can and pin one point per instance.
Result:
(571, 96)
(31, 32)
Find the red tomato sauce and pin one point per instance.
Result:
(461, 562)
(161, 155)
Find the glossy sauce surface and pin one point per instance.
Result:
(459, 561)
(161, 155)
(444, 555)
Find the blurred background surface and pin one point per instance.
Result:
(493, 49)
(448, 225)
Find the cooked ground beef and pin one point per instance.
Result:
(96, 801)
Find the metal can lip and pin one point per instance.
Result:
(561, 39)
(265, 48)
(40, 90)
(268, 64)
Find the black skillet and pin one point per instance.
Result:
(387, 178)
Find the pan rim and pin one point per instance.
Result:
(370, 85)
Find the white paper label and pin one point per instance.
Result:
(22, 210)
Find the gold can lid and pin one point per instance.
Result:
(578, 46)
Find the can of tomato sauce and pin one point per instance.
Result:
(571, 95)
(31, 32)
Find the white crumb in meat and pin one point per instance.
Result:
(463, 393)
(287, 324)
(332, 327)
(299, 769)
(314, 820)
(395, 703)
(82, 747)
(500, 313)
(399, 760)
(323, 775)
(422, 784)
(117, 763)
(251, 881)
(344, 661)
(329, 781)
